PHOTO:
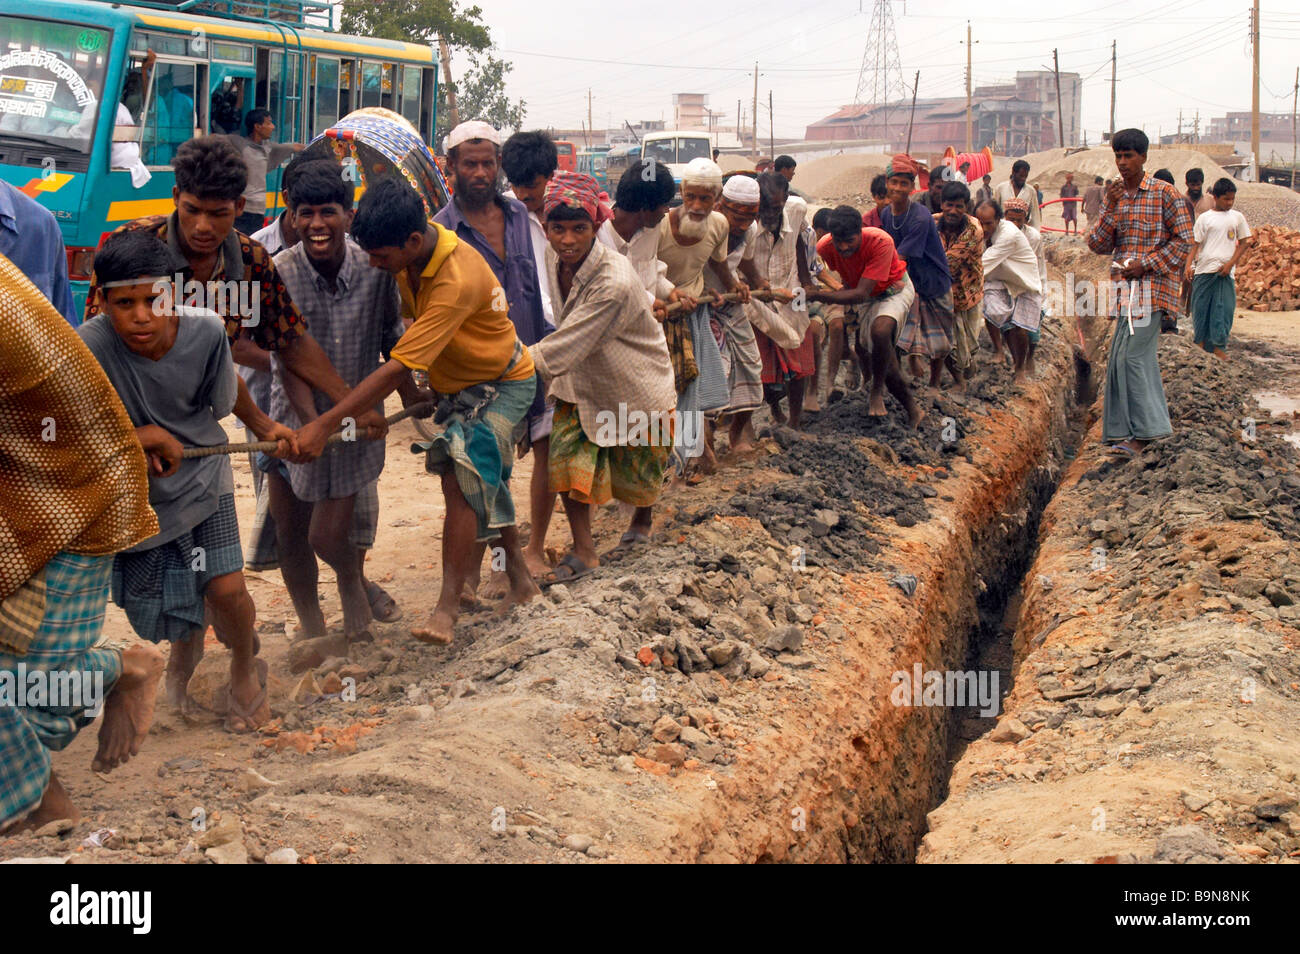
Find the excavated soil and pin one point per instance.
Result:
(1157, 684)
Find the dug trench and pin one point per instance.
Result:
(725, 694)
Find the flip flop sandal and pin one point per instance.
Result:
(382, 606)
(567, 571)
(1125, 450)
(626, 544)
(245, 713)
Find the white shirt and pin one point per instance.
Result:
(744, 251)
(272, 236)
(1218, 234)
(642, 250)
(1036, 243)
(126, 155)
(1005, 190)
(1011, 262)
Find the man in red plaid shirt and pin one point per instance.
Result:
(1145, 228)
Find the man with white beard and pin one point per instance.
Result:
(691, 236)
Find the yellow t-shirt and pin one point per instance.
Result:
(462, 333)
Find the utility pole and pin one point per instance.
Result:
(771, 126)
(1254, 85)
(1179, 138)
(444, 52)
(970, 146)
(1196, 127)
(1112, 88)
(590, 128)
(754, 117)
(916, 84)
(1060, 116)
(1295, 99)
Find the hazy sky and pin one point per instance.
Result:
(1188, 54)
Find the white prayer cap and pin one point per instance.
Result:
(702, 171)
(741, 189)
(474, 129)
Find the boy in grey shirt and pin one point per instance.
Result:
(171, 367)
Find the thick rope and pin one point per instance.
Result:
(757, 295)
(269, 446)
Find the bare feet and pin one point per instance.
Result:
(742, 446)
(537, 565)
(517, 596)
(181, 663)
(55, 805)
(915, 416)
(382, 606)
(497, 585)
(1221, 354)
(876, 405)
(439, 632)
(810, 403)
(778, 415)
(128, 710)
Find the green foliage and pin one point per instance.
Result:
(481, 90)
(481, 94)
(416, 21)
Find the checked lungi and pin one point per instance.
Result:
(67, 646)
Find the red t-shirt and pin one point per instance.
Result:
(871, 219)
(875, 259)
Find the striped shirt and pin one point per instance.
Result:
(1151, 226)
(356, 323)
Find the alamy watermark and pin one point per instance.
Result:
(949, 688)
(226, 298)
(21, 687)
(636, 428)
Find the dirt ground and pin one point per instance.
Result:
(1157, 682)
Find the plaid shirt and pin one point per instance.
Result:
(608, 351)
(965, 262)
(278, 321)
(1152, 226)
(776, 256)
(355, 325)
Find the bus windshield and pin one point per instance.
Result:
(51, 81)
(693, 148)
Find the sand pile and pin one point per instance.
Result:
(839, 178)
(1047, 169)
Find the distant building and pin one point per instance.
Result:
(1011, 118)
(1235, 127)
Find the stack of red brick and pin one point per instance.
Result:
(1268, 275)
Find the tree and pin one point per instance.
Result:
(416, 21)
(481, 92)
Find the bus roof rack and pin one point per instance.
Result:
(314, 14)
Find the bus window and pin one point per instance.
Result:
(230, 86)
(693, 147)
(327, 94)
(370, 82)
(51, 81)
(660, 149)
(386, 86)
(282, 85)
(411, 80)
(346, 71)
(171, 118)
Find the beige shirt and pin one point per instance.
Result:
(686, 263)
(744, 251)
(642, 250)
(259, 157)
(607, 354)
(1005, 190)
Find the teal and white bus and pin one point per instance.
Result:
(63, 61)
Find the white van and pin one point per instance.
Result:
(675, 148)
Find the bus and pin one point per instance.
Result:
(566, 152)
(617, 161)
(592, 162)
(675, 148)
(215, 60)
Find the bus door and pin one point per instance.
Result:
(177, 100)
(279, 89)
(230, 87)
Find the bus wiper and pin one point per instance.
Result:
(6, 135)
